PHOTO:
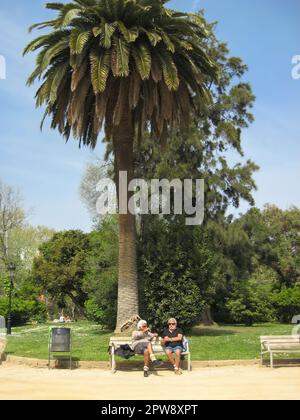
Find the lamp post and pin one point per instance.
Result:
(11, 269)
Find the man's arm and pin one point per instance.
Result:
(137, 335)
(167, 339)
(178, 338)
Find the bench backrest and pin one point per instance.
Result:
(277, 341)
(156, 342)
(281, 338)
(127, 340)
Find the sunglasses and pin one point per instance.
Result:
(172, 323)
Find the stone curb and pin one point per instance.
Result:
(39, 363)
(42, 363)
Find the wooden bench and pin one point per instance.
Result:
(116, 342)
(279, 344)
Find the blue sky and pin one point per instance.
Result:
(265, 33)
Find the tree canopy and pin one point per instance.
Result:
(101, 54)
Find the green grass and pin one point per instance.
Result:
(232, 342)
(90, 342)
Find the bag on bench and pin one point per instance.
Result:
(125, 351)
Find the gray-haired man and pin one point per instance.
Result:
(172, 339)
(141, 344)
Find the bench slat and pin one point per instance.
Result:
(284, 346)
(279, 337)
(281, 341)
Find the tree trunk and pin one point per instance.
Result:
(79, 307)
(206, 318)
(128, 305)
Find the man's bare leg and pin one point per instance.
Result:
(151, 353)
(146, 363)
(170, 357)
(146, 358)
(155, 362)
(177, 360)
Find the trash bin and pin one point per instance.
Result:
(60, 341)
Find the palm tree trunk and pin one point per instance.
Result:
(128, 305)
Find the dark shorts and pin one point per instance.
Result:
(173, 349)
(140, 348)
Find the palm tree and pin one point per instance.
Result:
(127, 66)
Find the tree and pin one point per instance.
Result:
(95, 171)
(274, 236)
(287, 304)
(23, 244)
(60, 268)
(200, 152)
(12, 216)
(133, 64)
(26, 240)
(260, 251)
(101, 278)
(248, 305)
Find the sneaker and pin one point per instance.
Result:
(146, 374)
(178, 372)
(157, 363)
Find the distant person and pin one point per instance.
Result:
(141, 344)
(62, 320)
(172, 339)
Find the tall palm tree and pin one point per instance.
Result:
(127, 66)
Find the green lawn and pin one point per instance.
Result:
(90, 342)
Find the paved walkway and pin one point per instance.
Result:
(210, 383)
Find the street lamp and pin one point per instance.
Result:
(11, 269)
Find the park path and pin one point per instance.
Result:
(235, 383)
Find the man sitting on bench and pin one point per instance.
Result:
(141, 344)
(173, 342)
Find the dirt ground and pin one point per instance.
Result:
(233, 383)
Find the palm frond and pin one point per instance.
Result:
(60, 73)
(170, 71)
(153, 37)
(142, 57)
(100, 67)
(78, 74)
(106, 32)
(130, 35)
(134, 89)
(78, 40)
(120, 58)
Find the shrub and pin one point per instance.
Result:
(102, 308)
(101, 276)
(287, 304)
(177, 271)
(24, 311)
(93, 311)
(250, 304)
(167, 296)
